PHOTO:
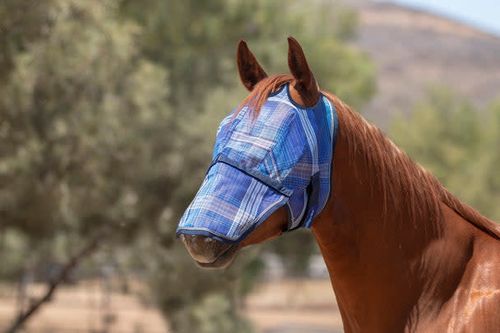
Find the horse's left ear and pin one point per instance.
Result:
(305, 83)
(250, 70)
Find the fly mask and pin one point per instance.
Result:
(280, 156)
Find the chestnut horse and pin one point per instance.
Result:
(404, 254)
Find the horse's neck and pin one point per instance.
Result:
(375, 260)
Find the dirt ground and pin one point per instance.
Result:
(84, 308)
(294, 306)
(289, 306)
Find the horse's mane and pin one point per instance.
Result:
(404, 183)
(407, 188)
(259, 95)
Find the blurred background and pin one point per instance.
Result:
(108, 111)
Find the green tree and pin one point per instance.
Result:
(196, 41)
(84, 130)
(483, 175)
(76, 120)
(20, 23)
(458, 144)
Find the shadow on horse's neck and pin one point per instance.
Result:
(373, 240)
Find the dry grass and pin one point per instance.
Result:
(288, 306)
(83, 308)
(293, 306)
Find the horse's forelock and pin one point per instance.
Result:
(259, 95)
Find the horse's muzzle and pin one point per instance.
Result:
(209, 252)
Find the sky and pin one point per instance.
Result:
(484, 14)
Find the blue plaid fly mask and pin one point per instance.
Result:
(260, 163)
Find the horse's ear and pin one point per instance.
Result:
(250, 70)
(305, 83)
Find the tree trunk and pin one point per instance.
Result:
(36, 305)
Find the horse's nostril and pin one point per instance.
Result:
(204, 249)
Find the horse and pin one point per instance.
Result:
(403, 253)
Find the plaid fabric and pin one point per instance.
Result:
(281, 157)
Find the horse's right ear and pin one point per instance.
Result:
(250, 70)
(305, 83)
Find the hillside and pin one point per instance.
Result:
(414, 50)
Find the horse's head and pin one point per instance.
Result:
(271, 164)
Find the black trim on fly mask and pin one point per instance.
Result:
(260, 177)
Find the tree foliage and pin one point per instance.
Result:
(77, 124)
(457, 143)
